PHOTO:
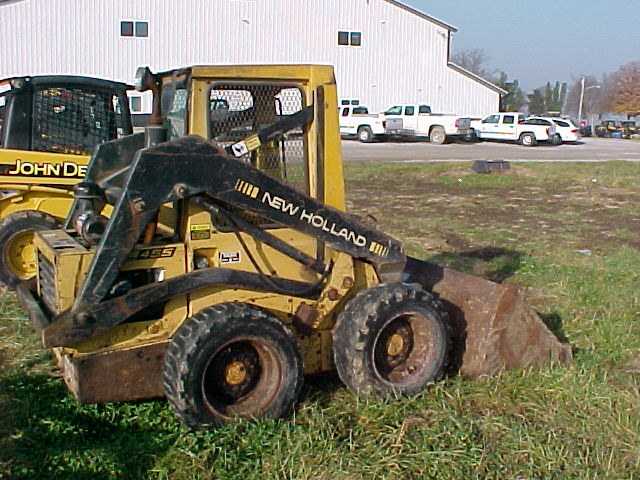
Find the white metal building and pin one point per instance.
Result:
(384, 52)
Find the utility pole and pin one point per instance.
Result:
(582, 89)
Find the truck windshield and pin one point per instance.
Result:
(397, 110)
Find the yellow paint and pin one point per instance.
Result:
(347, 277)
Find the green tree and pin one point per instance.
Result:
(554, 97)
(514, 98)
(624, 90)
(536, 102)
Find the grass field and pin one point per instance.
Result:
(569, 233)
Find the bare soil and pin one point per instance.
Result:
(434, 207)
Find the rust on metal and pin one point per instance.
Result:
(306, 318)
(347, 283)
(333, 294)
(115, 376)
(493, 328)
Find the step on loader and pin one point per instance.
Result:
(229, 269)
(49, 127)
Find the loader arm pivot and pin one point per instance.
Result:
(177, 169)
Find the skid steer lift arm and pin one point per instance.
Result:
(196, 169)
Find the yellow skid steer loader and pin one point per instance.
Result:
(49, 127)
(229, 269)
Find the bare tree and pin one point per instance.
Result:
(594, 97)
(474, 60)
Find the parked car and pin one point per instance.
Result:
(418, 121)
(355, 120)
(586, 130)
(512, 127)
(566, 131)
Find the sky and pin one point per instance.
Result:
(536, 41)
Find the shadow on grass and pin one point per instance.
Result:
(554, 322)
(44, 433)
(491, 263)
(320, 389)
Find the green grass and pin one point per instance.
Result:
(533, 227)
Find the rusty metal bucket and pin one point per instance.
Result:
(493, 328)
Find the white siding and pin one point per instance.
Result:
(403, 57)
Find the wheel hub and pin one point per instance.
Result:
(20, 255)
(235, 373)
(395, 344)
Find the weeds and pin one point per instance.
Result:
(546, 227)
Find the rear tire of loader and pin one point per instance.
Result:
(18, 259)
(391, 339)
(231, 361)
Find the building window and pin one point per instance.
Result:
(350, 38)
(134, 29)
(142, 29)
(135, 103)
(126, 29)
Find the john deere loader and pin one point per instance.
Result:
(49, 127)
(229, 269)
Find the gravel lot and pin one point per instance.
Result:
(588, 150)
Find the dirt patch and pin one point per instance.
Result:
(418, 206)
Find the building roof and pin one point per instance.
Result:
(393, 2)
(477, 78)
(422, 15)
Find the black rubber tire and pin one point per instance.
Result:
(437, 135)
(11, 227)
(364, 337)
(557, 139)
(527, 139)
(365, 135)
(227, 340)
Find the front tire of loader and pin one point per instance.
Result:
(18, 257)
(391, 339)
(231, 361)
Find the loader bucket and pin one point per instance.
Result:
(493, 328)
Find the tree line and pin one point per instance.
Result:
(618, 92)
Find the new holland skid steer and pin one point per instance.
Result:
(49, 127)
(228, 268)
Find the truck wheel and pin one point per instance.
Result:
(365, 135)
(18, 260)
(527, 139)
(230, 361)
(391, 339)
(437, 135)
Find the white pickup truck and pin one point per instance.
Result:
(418, 121)
(355, 120)
(512, 126)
